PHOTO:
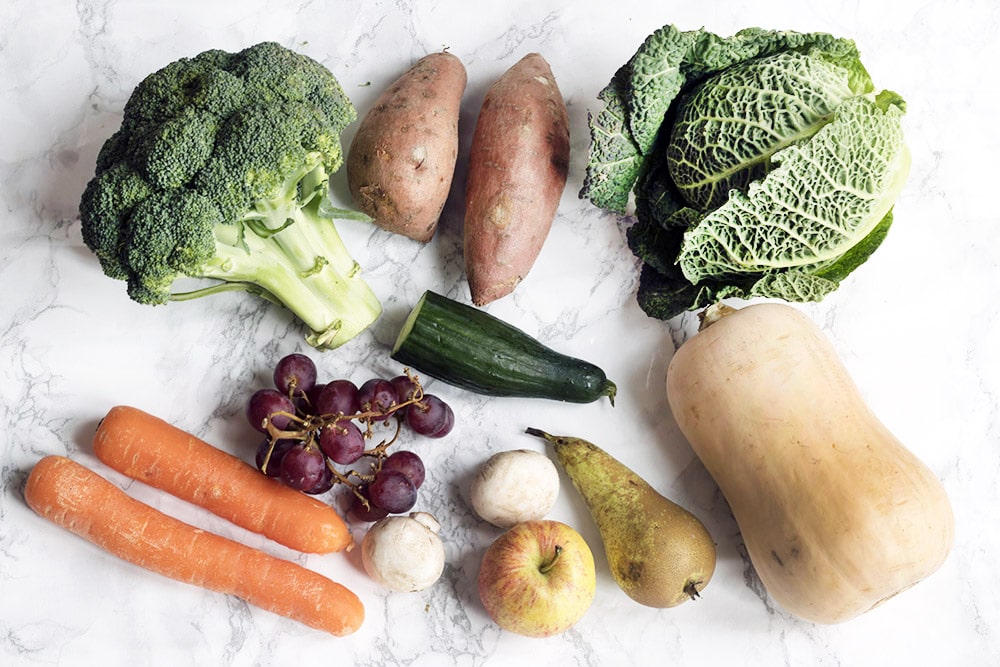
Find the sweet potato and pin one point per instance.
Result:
(518, 163)
(401, 162)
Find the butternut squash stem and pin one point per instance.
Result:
(713, 314)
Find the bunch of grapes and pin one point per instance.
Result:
(313, 431)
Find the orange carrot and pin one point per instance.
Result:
(150, 450)
(80, 500)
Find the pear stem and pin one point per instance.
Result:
(538, 433)
(547, 567)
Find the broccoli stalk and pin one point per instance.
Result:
(220, 170)
(287, 250)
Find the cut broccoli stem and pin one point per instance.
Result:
(298, 258)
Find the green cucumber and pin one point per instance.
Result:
(469, 348)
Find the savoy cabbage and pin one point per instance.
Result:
(763, 164)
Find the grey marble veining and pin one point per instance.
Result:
(918, 327)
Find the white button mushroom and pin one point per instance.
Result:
(404, 553)
(514, 486)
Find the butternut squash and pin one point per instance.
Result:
(836, 514)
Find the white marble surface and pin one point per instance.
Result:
(918, 326)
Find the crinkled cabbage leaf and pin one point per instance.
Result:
(762, 164)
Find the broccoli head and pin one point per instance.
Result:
(220, 170)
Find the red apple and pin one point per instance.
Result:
(538, 578)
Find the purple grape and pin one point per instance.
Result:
(266, 402)
(392, 491)
(338, 397)
(273, 463)
(302, 467)
(294, 374)
(307, 403)
(343, 442)
(407, 463)
(378, 396)
(447, 425)
(323, 485)
(358, 510)
(430, 417)
(406, 389)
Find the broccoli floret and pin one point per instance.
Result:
(220, 170)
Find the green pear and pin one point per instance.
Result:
(659, 553)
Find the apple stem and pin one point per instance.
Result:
(544, 569)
